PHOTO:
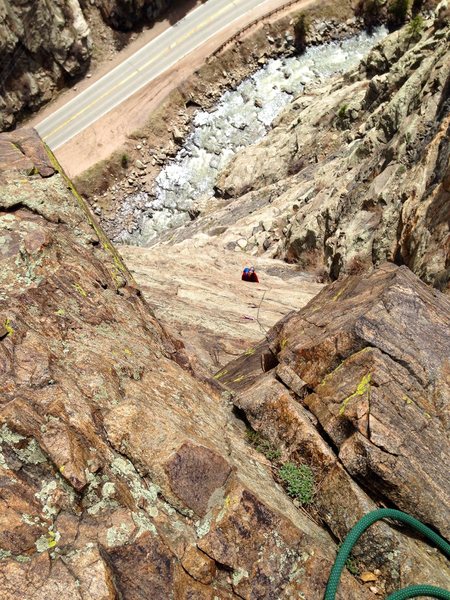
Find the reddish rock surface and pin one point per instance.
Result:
(361, 396)
(108, 446)
(195, 473)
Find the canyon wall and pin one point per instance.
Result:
(358, 170)
(45, 45)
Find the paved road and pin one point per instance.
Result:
(141, 68)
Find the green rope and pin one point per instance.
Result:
(420, 590)
(356, 532)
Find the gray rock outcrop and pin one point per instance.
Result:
(45, 44)
(364, 161)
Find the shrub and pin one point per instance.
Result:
(352, 567)
(371, 11)
(299, 482)
(415, 26)
(269, 450)
(342, 112)
(124, 161)
(398, 11)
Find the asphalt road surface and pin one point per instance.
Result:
(141, 68)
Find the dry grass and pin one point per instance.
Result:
(357, 265)
(98, 178)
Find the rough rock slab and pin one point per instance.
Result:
(361, 395)
(195, 289)
(100, 427)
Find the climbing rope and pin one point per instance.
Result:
(356, 532)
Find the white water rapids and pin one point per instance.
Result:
(240, 118)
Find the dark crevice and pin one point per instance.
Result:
(102, 284)
(240, 414)
(383, 501)
(405, 365)
(219, 565)
(326, 437)
(328, 529)
(269, 361)
(22, 206)
(111, 572)
(15, 208)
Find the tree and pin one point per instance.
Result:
(371, 12)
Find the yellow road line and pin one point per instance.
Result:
(138, 70)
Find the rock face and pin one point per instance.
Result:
(361, 394)
(365, 163)
(126, 14)
(123, 476)
(217, 316)
(44, 44)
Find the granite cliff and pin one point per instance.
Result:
(46, 44)
(154, 407)
(357, 171)
(126, 474)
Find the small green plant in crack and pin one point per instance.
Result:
(124, 161)
(415, 26)
(258, 442)
(298, 482)
(342, 112)
(351, 564)
(352, 567)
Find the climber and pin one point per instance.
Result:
(249, 274)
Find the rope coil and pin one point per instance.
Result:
(356, 532)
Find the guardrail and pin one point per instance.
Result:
(236, 35)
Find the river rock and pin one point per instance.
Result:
(177, 135)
